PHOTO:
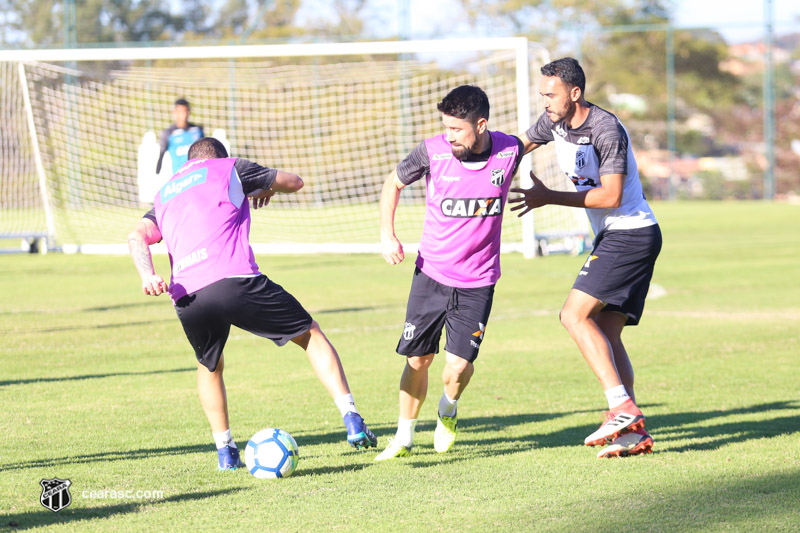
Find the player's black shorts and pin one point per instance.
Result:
(254, 304)
(619, 269)
(431, 305)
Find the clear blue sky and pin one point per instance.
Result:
(737, 20)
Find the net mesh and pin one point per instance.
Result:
(21, 209)
(341, 123)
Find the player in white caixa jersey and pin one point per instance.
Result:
(594, 150)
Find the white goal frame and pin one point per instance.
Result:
(519, 45)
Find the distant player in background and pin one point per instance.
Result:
(203, 215)
(594, 150)
(178, 137)
(467, 171)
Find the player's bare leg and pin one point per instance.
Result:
(456, 375)
(214, 400)
(414, 385)
(611, 324)
(578, 316)
(638, 441)
(328, 367)
(413, 390)
(324, 360)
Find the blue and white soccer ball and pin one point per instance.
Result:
(271, 453)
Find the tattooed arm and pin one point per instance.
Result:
(139, 241)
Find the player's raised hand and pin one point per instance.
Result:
(392, 250)
(154, 285)
(531, 198)
(261, 197)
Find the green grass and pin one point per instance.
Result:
(98, 387)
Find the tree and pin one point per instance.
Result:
(41, 23)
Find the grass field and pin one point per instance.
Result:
(98, 387)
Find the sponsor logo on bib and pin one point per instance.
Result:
(472, 207)
(175, 187)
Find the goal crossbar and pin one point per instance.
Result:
(265, 50)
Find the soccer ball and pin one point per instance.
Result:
(271, 453)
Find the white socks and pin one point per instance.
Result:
(346, 404)
(447, 407)
(616, 396)
(224, 439)
(405, 432)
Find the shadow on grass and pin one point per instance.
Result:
(74, 515)
(321, 470)
(112, 455)
(713, 436)
(765, 502)
(59, 329)
(349, 310)
(5, 383)
(470, 444)
(127, 305)
(113, 307)
(387, 429)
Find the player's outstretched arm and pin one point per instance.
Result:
(607, 196)
(391, 247)
(285, 182)
(527, 144)
(139, 241)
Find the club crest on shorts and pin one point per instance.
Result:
(498, 176)
(408, 331)
(55, 494)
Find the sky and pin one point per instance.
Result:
(737, 20)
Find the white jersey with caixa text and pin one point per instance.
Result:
(598, 147)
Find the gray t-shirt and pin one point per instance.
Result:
(598, 147)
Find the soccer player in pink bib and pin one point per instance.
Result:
(203, 216)
(467, 171)
(594, 151)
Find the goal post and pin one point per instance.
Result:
(341, 115)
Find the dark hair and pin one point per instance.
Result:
(207, 148)
(568, 70)
(182, 101)
(466, 102)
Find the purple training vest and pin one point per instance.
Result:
(206, 234)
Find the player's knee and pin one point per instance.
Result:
(457, 366)
(422, 362)
(566, 318)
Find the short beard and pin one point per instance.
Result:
(462, 153)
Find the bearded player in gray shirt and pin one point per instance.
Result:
(594, 150)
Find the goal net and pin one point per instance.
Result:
(81, 128)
